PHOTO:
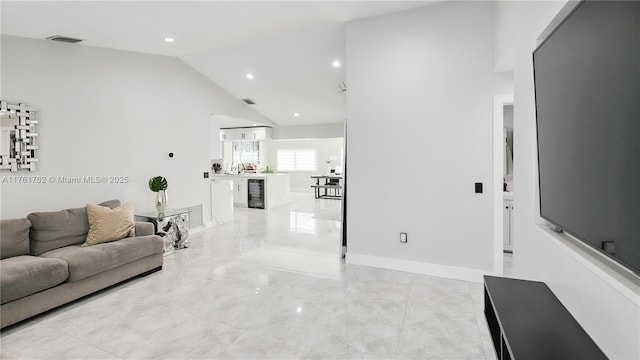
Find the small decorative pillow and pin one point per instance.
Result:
(106, 224)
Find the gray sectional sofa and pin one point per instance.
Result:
(43, 264)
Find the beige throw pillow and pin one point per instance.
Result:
(106, 224)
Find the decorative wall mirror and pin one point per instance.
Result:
(18, 137)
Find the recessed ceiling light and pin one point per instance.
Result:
(254, 124)
(336, 63)
(249, 76)
(296, 114)
(169, 39)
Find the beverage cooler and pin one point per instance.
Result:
(256, 193)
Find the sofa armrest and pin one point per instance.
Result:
(144, 228)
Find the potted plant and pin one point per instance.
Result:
(216, 167)
(158, 184)
(329, 160)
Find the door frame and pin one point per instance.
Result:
(499, 102)
(343, 201)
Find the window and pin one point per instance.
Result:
(246, 152)
(297, 160)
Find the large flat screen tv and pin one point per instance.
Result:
(587, 88)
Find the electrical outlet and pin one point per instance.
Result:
(403, 237)
(206, 174)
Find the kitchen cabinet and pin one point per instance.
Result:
(240, 192)
(222, 192)
(228, 134)
(245, 134)
(507, 211)
(260, 133)
(276, 188)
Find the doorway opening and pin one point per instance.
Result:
(503, 184)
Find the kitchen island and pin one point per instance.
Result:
(259, 190)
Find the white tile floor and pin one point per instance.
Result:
(269, 285)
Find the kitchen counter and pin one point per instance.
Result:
(253, 175)
(277, 188)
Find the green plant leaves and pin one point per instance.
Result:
(158, 183)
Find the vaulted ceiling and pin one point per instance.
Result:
(288, 46)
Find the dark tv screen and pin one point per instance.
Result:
(587, 88)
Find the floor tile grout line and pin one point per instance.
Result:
(82, 341)
(306, 355)
(356, 282)
(404, 317)
(475, 310)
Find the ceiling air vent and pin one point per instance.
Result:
(64, 39)
(249, 101)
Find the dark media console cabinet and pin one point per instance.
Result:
(527, 321)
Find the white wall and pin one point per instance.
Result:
(227, 155)
(309, 131)
(508, 117)
(111, 113)
(504, 40)
(215, 144)
(301, 180)
(419, 136)
(607, 306)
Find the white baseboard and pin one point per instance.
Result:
(416, 267)
(199, 229)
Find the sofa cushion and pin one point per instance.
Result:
(14, 237)
(55, 229)
(24, 275)
(85, 261)
(107, 224)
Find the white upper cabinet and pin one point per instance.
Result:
(245, 134)
(261, 133)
